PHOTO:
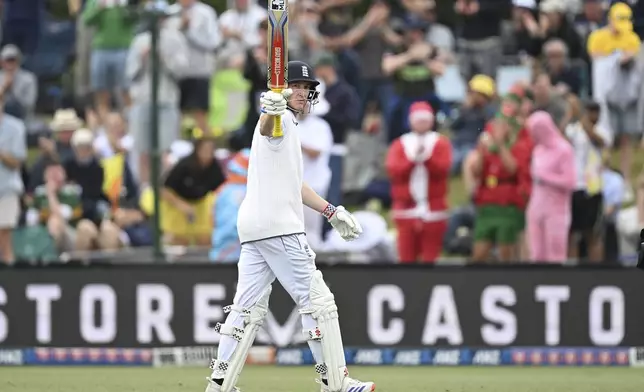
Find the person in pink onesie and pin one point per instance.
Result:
(553, 176)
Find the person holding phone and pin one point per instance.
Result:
(187, 195)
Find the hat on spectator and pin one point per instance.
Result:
(65, 120)
(620, 16)
(324, 58)
(552, 6)
(529, 4)
(82, 137)
(10, 52)
(483, 84)
(421, 110)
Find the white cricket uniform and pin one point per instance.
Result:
(271, 229)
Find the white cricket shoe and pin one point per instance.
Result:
(350, 385)
(214, 387)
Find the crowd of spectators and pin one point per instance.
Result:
(425, 126)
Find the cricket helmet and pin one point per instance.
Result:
(299, 71)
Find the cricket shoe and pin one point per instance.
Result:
(350, 385)
(214, 387)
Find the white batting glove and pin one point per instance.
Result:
(343, 222)
(274, 104)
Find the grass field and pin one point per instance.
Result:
(300, 379)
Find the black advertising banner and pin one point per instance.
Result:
(150, 306)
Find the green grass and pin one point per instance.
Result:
(300, 379)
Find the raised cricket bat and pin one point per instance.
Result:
(277, 75)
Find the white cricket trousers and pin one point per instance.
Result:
(287, 258)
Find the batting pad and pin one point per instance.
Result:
(253, 320)
(325, 312)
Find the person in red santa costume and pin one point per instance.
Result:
(418, 165)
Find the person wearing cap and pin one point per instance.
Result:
(476, 111)
(18, 86)
(186, 196)
(13, 153)
(617, 36)
(57, 148)
(498, 175)
(413, 67)
(94, 230)
(418, 164)
(173, 55)
(620, 94)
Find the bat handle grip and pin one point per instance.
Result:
(277, 125)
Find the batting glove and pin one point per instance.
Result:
(343, 222)
(274, 104)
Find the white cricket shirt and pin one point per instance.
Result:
(273, 203)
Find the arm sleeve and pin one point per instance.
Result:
(397, 164)
(440, 163)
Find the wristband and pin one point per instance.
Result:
(328, 211)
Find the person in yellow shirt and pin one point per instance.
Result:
(618, 35)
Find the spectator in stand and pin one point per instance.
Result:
(588, 140)
(198, 23)
(225, 240)
(522, 36)
(498, 175)
(173, 54)
(418, 164)
(564, 78)
(113, 138)
(592, 18)
(58, 148)
(255, 67)
(187, 195)
(551, 101)
(480, 41)
(94, 230)
(438, 34)
(22, 23)
(618, 37)
(57, 206)
(316, 138)
(554, 177)
(475, 112)
(13, 153)
(554, 23)
(370, 38)
(343, 115)
(113, 27)
(413, 68)
(120, 189)
(240, 25)
(18, 86)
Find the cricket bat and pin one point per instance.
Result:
(277, 75)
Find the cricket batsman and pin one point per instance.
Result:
(273, 245)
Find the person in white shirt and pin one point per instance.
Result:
(240, 24)
(270, 225)
(113, 138)
(588, 139)
(317, 141)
